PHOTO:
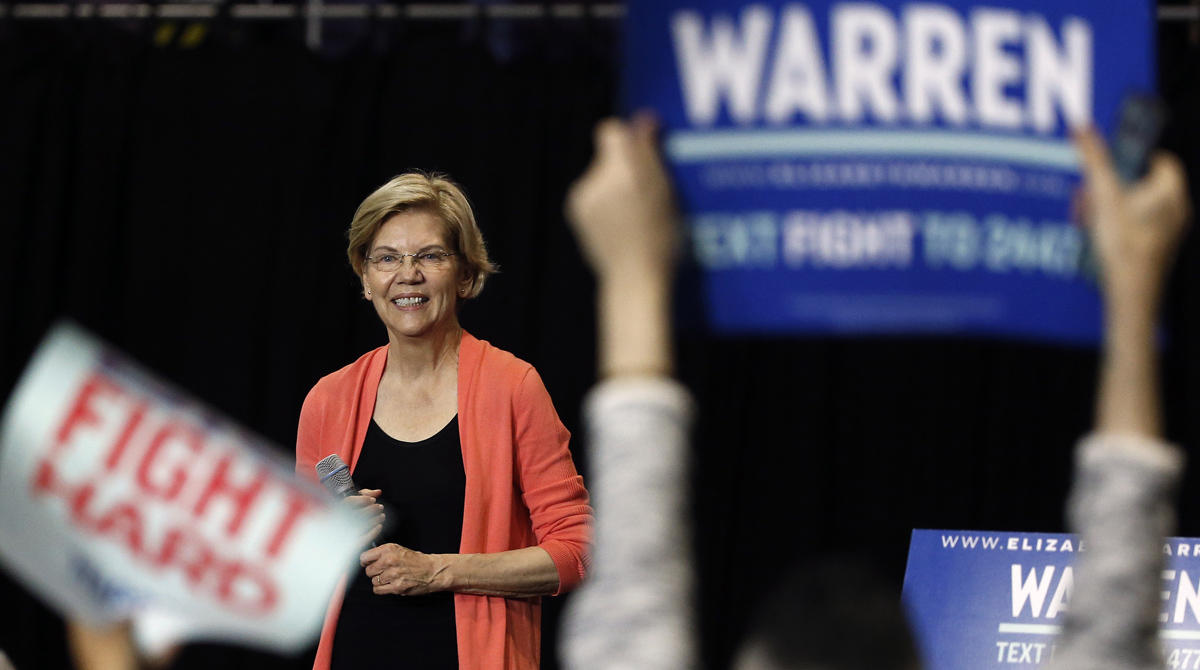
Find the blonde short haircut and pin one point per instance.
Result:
(436, 193)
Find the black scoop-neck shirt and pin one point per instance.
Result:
(423, 486)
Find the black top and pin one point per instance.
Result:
(423, 485)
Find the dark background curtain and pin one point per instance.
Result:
(182, 190)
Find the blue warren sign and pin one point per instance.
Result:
(886, 166)
(980, 600)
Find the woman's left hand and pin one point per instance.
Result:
(398, 570)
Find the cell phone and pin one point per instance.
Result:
(1138, 130)
(1137, 133)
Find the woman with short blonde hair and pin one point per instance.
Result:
(477, 507)
(412, 190)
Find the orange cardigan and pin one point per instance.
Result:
(521, 487)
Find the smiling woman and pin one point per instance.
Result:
(414, 298)
(477, 505)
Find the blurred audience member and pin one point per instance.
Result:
(1125, 478)
(636, 610)
(101, 647)
(835, 613)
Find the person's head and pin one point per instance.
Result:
(441, 196)
(416, 247)
(830, 615)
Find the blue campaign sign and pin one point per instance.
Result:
(886, 166)
(980, 600)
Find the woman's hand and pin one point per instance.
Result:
(621, 208)
(625, 220)
(398, 570)
(367, 501)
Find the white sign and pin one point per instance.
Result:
(119, 496)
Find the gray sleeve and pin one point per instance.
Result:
(635, 609)
(1122, 506)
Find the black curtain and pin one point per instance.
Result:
(182, 190)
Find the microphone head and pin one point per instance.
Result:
(335, 475)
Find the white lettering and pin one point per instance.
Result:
(798, 79)
(1062, 594)
(865, 47)
(935, 55)
(726, 65)
(1165, 614)
(1030, 590)
(1186, 598)
(1054, 76)
(994, 68)
(843, 239)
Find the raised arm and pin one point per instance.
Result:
(1125, 475)
(1135, 232)
(635, 609)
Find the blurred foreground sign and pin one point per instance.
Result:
(980, 600)
(887, 166)
(120, 497)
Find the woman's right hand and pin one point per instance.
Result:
(367, 500)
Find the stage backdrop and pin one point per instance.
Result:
(186, 200)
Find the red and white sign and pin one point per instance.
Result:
(119, 496)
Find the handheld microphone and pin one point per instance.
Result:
(335, 475)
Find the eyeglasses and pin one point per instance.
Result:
(389, 261)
